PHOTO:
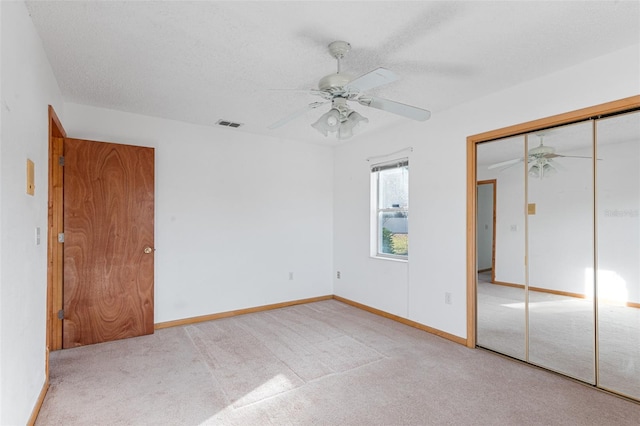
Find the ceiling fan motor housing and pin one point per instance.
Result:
(541, 151)
(333, 81)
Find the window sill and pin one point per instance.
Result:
(393, 259)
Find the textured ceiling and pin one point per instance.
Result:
(203, 61)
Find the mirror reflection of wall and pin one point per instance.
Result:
(618, 251)
(563, 288)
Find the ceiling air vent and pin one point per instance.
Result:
(227, 123)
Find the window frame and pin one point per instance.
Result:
(377, 211)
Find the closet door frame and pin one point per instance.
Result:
(596, 111)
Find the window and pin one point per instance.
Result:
(390, 202)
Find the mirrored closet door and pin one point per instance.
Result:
(501, 275)
(618, 252)
(558, 249)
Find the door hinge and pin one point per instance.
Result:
(61, 160)
(61, 314)
(61, 237)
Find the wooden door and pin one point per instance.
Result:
(108, 242)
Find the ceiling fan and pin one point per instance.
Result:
(340, 88)
(541, 160)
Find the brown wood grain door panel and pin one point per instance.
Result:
(108, 223)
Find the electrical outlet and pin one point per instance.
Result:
(338, 275)
(447, 298)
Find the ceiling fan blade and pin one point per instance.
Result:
(296, 114)
(375, 78)
(394, 107)
(505, 163)
(305, 91)
(567, 156)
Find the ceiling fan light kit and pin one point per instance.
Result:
(338, 88)
(542, 170)
(340, 119)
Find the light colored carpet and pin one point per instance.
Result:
(323, 363)
(561, 334)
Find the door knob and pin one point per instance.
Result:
(147, 250)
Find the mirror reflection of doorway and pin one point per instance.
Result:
(563, 288)
(486, 228)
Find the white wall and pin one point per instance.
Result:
(235, 213)
(28, 86)
(437, 248)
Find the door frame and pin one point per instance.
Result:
(607, 108)
(55, 226)
(55, 255)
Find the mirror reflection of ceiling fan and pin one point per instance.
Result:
(339, 88)
(540, 159)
